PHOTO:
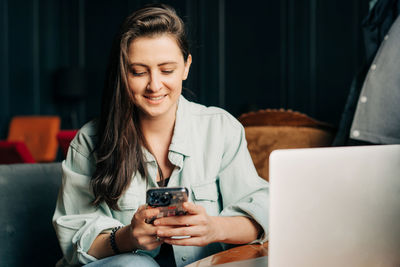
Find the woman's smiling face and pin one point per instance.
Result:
(156, 71)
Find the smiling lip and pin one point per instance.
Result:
(155, 99)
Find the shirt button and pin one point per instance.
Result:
(356, 133)
(184, 258)
(373, 66)
(363, 99)
(386, 37)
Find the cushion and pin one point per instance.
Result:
(28, 195)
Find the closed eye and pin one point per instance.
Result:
(134, 73)
(167, 71)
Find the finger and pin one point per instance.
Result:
(192, 208)
(143, 230)
(147, 213)
(150, 215)
(181, 231)
(192, 241)
(182, 220)
(151, 230)
(141, 208)
(167, 227)
(139, 212)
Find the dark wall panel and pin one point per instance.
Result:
(339, 52)
(298, 54)
(49, 52)
(252, 56)
(4, 73)
(21, 49)
(99, 34)
(205, 47)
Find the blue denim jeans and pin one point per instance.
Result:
(125, 260)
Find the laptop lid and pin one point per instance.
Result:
(337, 206)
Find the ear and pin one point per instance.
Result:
(187, 67)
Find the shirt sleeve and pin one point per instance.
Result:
(77, 222)
(243, 192)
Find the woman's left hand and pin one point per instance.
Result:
(202, 228)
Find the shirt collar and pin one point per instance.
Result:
(180, 142)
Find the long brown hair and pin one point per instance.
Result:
(120, 140)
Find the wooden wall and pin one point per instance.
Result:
(298, 54)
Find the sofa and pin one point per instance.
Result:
(28, 194)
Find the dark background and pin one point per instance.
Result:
(297, 54)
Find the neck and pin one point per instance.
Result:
(161, 127)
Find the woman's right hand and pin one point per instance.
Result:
(144, 235)
(137, 235)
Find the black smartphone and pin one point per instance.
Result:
(168, 200)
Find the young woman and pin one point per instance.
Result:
(149, 135)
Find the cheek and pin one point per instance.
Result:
(136, 85)
(175, 83)
(175, 87)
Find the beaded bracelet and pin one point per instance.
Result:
(112, 239)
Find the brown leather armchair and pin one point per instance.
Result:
(271, 129)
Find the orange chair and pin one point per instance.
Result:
(271, 129)
(38, 133)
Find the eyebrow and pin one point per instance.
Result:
(161, 64)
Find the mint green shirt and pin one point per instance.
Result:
(210, 153)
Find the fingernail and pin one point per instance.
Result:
(160, 233)
(156, 222)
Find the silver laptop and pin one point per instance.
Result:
(335, 207)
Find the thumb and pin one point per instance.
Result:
(192, 208)
(145, 212)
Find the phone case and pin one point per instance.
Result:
(169, 200)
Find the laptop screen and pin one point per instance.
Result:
(336, 206)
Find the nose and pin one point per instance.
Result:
(155, 83)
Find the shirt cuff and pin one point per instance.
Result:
(252, 210)
(88, 233)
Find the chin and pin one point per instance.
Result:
(154, 111)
